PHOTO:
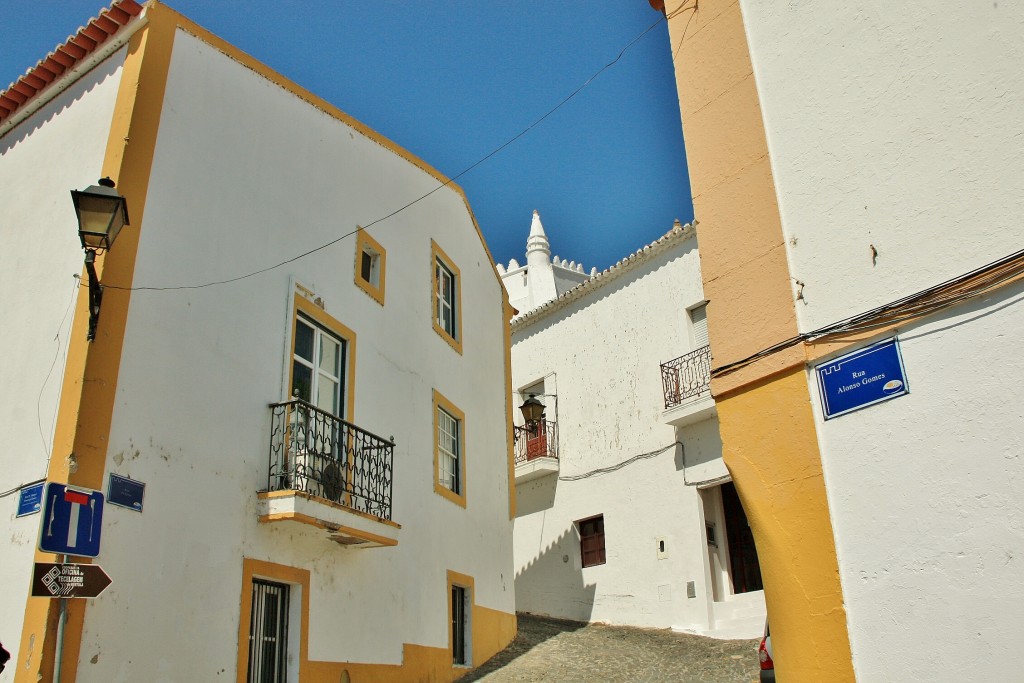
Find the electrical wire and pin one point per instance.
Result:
(19, 487)
(935, 298)
(614, 468)
(448, 182)
(39, 399)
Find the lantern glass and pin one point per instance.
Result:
(101, 212)
(532, 409)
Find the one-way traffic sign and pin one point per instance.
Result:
(51, 580)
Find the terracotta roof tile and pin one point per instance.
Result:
(67, 56)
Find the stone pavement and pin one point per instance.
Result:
(570, 652)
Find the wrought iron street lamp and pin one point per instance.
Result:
(532, 409)
(101, 213)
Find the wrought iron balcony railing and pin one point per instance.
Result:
(536, 440)
(318, 453)
(686, 377)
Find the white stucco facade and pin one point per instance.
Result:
(652, 475)
(248, 171)
(41, 234)
(895, 145)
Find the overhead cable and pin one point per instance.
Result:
(448, 182)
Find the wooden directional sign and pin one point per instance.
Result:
(51, 580)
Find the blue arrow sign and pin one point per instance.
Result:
(71, 521)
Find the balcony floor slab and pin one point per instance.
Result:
(701, 407)
(536, 468)
(343, 525)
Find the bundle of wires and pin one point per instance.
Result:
(930, 300)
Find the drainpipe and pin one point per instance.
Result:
(59, 655)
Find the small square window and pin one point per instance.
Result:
(592, 540)
(371, 260)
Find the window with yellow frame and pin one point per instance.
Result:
(447, 287)
(371, 266)
(449, 450)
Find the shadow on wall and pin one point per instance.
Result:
(535, 496)
(551, 584)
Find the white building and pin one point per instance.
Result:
(857, 169)
(625, 513)
(325, 443)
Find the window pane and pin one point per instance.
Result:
(303, 340)
(330, 356)
(448, 450)
(327, 395)
(302, 381)
(367, 266)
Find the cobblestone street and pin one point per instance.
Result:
(569, 652)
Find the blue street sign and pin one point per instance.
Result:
(861, 378)
(71, 521)
(125, 492)
(30, 499)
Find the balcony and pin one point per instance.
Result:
(330, 474)
(536, 450)
(687, 386)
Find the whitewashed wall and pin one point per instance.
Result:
(58, 149)
(897, 126)
(926, 494)
(245, 175)
(601, 354)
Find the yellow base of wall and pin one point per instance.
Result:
(492, 631)
(771, 449)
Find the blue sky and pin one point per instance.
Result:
(452, 81)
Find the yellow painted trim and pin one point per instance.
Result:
(326, 526)
(368, 536)
(492, 631)
(467, 582)
(768, 433)
(438, 254)
(323, 105)
(439, 401)
(267, 495)
(89, 386)
(364, 242)
(275, 572)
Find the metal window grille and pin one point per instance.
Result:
(268, 633)
(448, 451)
(459, 626)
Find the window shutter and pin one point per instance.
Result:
(699, 317)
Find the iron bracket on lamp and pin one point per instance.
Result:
(101, 213)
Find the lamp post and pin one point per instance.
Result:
(101, 213)
(532, 409)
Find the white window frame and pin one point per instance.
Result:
(316, 372)
(446, 298)
(449, 461)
